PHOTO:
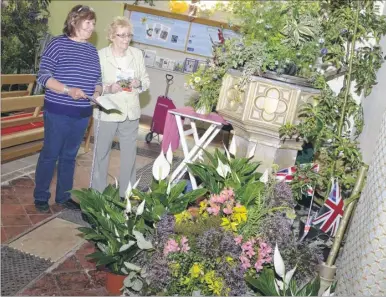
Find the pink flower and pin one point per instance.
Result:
(250, 253)
(258, 265)
(213, 209)
(171, 246)
(184, 244)
(239, 239)
(245, 263)
(222, 198)
(228, 209)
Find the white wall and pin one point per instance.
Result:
(373, 107)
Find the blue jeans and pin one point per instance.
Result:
(62, 138)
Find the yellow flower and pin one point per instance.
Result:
(228, 225)
(214, 283)
(229, 260)
(183, 217)
(203, 206)
(239, 213)
(196, 270)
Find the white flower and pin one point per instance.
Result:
(140, 208)
(276, 62)
(161, 167)
(321, 40)
(197, 79)
(223, 169)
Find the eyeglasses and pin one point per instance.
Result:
(129, 36)
(85, 7)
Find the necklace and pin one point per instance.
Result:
(115, 60)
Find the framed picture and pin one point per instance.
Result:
(149, 57)
(201, 65)
(190, 65)
(179, 66)
(159, 61)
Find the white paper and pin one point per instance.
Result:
(105, 102)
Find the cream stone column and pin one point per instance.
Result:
(257, 114)
(362, 266)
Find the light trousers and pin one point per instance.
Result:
(127, 132)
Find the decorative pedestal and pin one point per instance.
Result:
(257, 114)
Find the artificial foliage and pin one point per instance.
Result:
(23, 25)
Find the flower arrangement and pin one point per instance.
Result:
(206, 82)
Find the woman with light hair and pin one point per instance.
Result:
(124, 77)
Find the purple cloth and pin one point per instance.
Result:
(171, 135)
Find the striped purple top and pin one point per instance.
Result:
(75, 64)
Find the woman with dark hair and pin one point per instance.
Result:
(70, 71)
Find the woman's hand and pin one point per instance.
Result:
(76, 93)
(115, 88)
(136, 83)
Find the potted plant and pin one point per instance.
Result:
(119, 231)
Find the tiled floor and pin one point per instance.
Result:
(75, 276)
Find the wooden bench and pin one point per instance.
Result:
(21, 133)
(11, 80)
(22, 126)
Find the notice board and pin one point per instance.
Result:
(169, 33)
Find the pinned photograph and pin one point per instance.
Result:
(149, 32)
(149, 57)
(164, 33)
(156, 30)
(165, 63)
(190, 65)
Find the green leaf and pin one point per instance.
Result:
(176, 190)
(142, 243)
(132, 266)
(106, 260)
(127, 246)
(264, 283)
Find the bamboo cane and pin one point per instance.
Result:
(328, 269)
(346, 218)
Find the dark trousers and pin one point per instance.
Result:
(62, 138)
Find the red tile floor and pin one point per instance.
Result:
(76, 276)
(18, 213)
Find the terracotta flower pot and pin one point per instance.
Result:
(114, 283)
(194, 211)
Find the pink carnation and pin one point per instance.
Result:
(184, 244)
(245, 263)
(258, 265)
(171, 246)
(239, 239)
(213, 209)
(228, 209)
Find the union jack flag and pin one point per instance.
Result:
(331, 212)
(287, 175)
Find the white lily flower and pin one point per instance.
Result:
(223, 169)
(128, 205)
(129, 190)
(140, 208)
(161, 167)
(278, 263)
(169, 154)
